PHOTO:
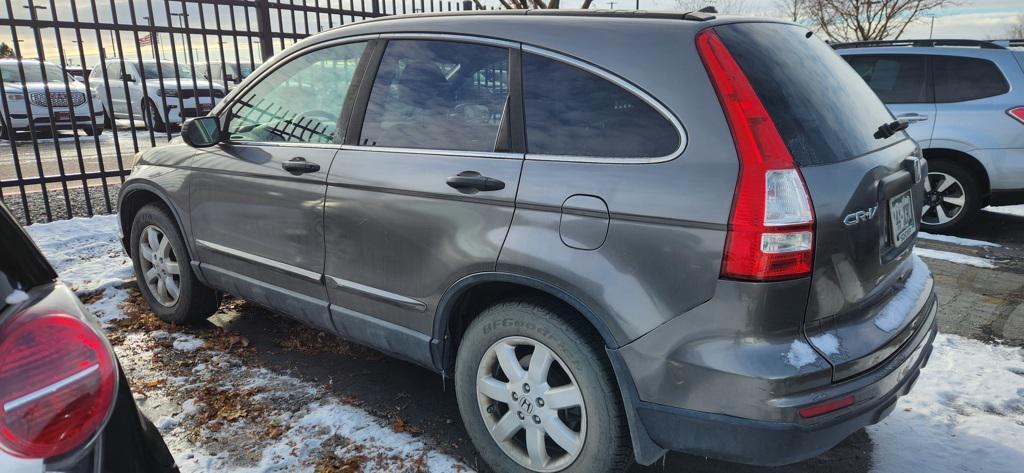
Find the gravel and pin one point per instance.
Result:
(58, 207)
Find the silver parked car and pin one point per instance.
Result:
(45, 95)
(619, 233)
(964, 100)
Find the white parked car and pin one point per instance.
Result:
(51, 106)
(157, 94)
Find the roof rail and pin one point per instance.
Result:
(922, 43)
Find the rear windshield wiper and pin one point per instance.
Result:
(886, 130)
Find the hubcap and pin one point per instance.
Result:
(531, 404)
(159, 264)
(944, 198)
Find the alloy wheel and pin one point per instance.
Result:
(159, 266)
(531, 404)
(944, 198)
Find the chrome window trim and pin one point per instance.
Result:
(629, 87)
(276, 265)
(435, 152)
(284, 144)
(377, 294)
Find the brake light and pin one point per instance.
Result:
(1017, 112)
(57, 384)
(771, 227)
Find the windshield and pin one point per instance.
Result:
(33, 73)
(149, 71)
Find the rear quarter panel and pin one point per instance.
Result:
(666, 230)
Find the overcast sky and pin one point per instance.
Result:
(973, 19)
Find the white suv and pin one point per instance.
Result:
(155, 92)
(51, 105)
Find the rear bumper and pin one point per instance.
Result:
(770, 443)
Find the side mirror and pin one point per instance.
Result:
(229, 78)
(201, 132)
(127, 78)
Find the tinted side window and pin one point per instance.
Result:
(895, 78)
(437, 95)
(572, 112)
(300, 102)
(965, 78)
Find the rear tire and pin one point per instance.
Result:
(93, 130)
(594, 424)
(161, 262)
(952, 197)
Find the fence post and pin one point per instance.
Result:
(467, 5)
(376, 8)
(263, 27)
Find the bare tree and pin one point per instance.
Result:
(539, 4)
(869, 20)
(1016, 30)
(792, 10)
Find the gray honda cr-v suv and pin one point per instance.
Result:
(618, 233)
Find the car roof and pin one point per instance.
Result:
(970, 47)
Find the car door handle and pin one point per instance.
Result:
(299, 165)
(912, 117)
(471, 182)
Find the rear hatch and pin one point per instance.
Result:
(866, 192)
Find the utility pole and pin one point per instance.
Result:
(931, 29)
(36, 30)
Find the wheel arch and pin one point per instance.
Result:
(972, 164)
(133, 198)
(462, 302)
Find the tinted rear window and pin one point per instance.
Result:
(823, 110)
(965, 78)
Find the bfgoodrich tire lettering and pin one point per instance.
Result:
(193, 301)
(572, 405)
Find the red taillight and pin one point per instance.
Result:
(826, 407)
(771, 228)
(1017, 112)
(57, 383)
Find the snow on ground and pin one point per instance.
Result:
(966, 413)
(221, 413)
(1017, 210)
(958, 258)
(218, 413)
(956, 240)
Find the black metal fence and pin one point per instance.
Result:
(87, 84)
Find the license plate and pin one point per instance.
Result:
(901, 218)
(61, 116)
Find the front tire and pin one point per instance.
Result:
(537, 394)
(163, 272)
(952, 197)
(152, 117)
(93, 130)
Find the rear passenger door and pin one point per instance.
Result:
(257, 200)
(424, 190)
(902, 82)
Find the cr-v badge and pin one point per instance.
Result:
(860, 216)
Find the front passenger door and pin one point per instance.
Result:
(257, 201)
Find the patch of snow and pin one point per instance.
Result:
(966, 413)
(160, 335)
(800, 354)
(1016, 210)
(86, 252)
(956, 240)
(16, 297)
(165, 423)
(189, 407)
(954, 257)
(895, 312)
(185, 342)
(827, 343)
